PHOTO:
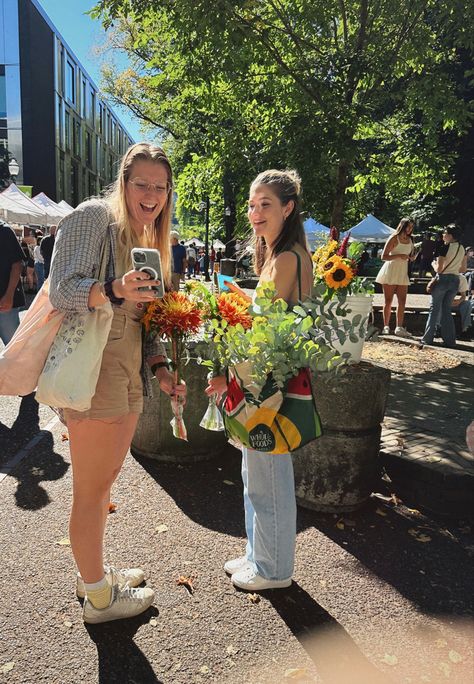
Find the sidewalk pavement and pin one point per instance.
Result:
(382, 595)
(423, 445)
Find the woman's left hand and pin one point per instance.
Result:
(168, 385)
(216, 385)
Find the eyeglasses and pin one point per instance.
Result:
(142, 186)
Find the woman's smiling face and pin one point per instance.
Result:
(146, 192)
(266, 213)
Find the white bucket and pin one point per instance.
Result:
(356, 304)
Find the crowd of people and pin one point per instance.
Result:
(451, 267)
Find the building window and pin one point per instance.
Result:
(61, 70)
(61, 179)
(67, 130)
(93, 106)
(74, 184)
(111, 167)
(92, 185)
(84, 100)
(88, 149)
(76, 138)
(60, 124)
(70, 82)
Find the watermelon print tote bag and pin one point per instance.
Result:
(267, 418)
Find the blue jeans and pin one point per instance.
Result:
(9, 322)
(441, 300)
(465, 309)
(39, 270)
(270, 512)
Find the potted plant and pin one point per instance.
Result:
(335, 277)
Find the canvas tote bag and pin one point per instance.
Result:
(266, 418)
(23, 359)
(71, 371)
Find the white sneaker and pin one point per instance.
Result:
(386, 330)
(236, 564)
(251, 581)
(401, 332)
(131, 576)
(125, 602)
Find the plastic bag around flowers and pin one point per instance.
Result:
(212, 419)
(177, 422)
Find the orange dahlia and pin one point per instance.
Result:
(234, 309)
(173, 315)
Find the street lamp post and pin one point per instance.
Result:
(205, 206)
(13, 169)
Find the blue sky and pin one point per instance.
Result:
(81, 33)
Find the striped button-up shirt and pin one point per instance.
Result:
(76, 262)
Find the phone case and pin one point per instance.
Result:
(149, 261)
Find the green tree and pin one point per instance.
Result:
(357, 94)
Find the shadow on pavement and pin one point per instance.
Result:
(432, 574)
(335, 654)
(423, 560)
(440, 401)
(42, 464)
(25, 427)
(119, 659)
(200, 491)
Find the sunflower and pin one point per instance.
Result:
(234, 309)
(323, 253)
(340, 276)
(173, 315)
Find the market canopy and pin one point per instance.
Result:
(218, 244)
(370, 229)
(54, 211)
(316, 233)
(16, 207)
(197, 242)
(65, 205)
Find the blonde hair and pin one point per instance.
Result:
(157, 235)
(286, 185)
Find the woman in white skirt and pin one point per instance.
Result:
(393, 276)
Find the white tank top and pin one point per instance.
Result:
(453, 259)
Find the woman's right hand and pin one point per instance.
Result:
(127, 287)
(403, 257)
(216, 385)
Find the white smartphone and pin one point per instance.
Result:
(149, 261)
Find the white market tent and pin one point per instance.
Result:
(16, 207)
(65, 205)
(316, 233)
(370, 229)
(197, 242)
(218, 244)
(54, 211)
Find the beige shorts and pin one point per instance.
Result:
(119, 388)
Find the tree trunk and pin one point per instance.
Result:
(339, 194)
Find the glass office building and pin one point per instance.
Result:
(66, 139)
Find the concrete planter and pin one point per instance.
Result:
(337, 472)
(154, 436)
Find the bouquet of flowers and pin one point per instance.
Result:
(176, 318)
(335, 268)
(219, 313)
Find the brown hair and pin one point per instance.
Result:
(156, 235)
(403, 225)
(286, 185)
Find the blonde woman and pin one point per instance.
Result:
(137, 212)
(393, 276)
(282, 257)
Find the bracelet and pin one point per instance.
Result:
(109, 293)
(160, 364)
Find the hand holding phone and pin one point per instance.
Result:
(149, 261)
